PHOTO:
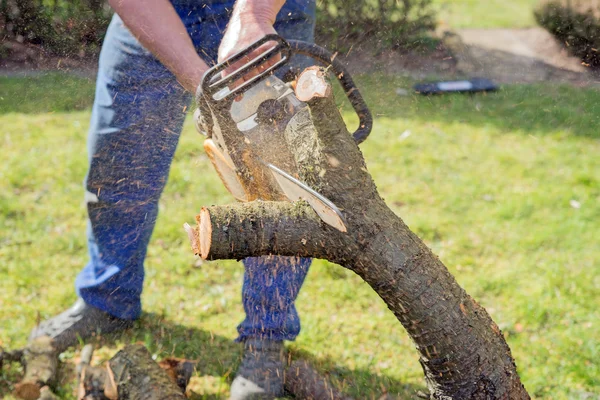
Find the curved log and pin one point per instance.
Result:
(462, 351)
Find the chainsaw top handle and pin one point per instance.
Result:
(216, 90)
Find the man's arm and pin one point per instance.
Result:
(158, 27)
(251, 20)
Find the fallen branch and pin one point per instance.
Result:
(138, 376)
(98, 383)
(40, 359)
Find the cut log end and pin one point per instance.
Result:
(312, 83)
(204, 233)
(27, 390)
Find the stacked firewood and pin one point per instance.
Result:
(133, 374)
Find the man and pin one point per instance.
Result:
(152, 60)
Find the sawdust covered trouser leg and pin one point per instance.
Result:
(137, 117)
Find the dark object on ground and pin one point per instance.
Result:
(466, 86)
(98, 383)
(462, 351)
(304, 382)
(576, 23)
(179, 370)
(137, 376)
(10, 356)
(95, 383)
(40, 359)
(81, 320)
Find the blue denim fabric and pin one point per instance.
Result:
(136, 121)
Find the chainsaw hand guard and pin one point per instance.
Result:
(245, 124)
(211, 84)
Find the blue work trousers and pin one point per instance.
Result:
(137, 117)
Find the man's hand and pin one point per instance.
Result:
(158, 27)
(251, 20)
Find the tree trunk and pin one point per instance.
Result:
(462, 351)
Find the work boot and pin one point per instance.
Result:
(260, 375)
(79, 321)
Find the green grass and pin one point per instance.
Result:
(489, 182)
(486, 13)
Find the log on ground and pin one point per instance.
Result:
(40, 359)
(138, 377)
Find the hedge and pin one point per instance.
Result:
(576, 23)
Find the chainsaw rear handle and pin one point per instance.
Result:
(210, 90)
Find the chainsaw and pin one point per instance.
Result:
(244, 124)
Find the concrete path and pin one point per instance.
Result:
(516, 55)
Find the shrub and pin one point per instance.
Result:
(396, 23)
(575, 23)
(63, 27)
(69, 27)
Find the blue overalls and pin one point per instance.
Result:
(136, 121)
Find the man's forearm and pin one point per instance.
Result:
(159, 29)
(258, 10)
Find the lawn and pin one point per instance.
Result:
(504, 187)
(486, 13)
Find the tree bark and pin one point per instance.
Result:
(462, 351)
(138, 377)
